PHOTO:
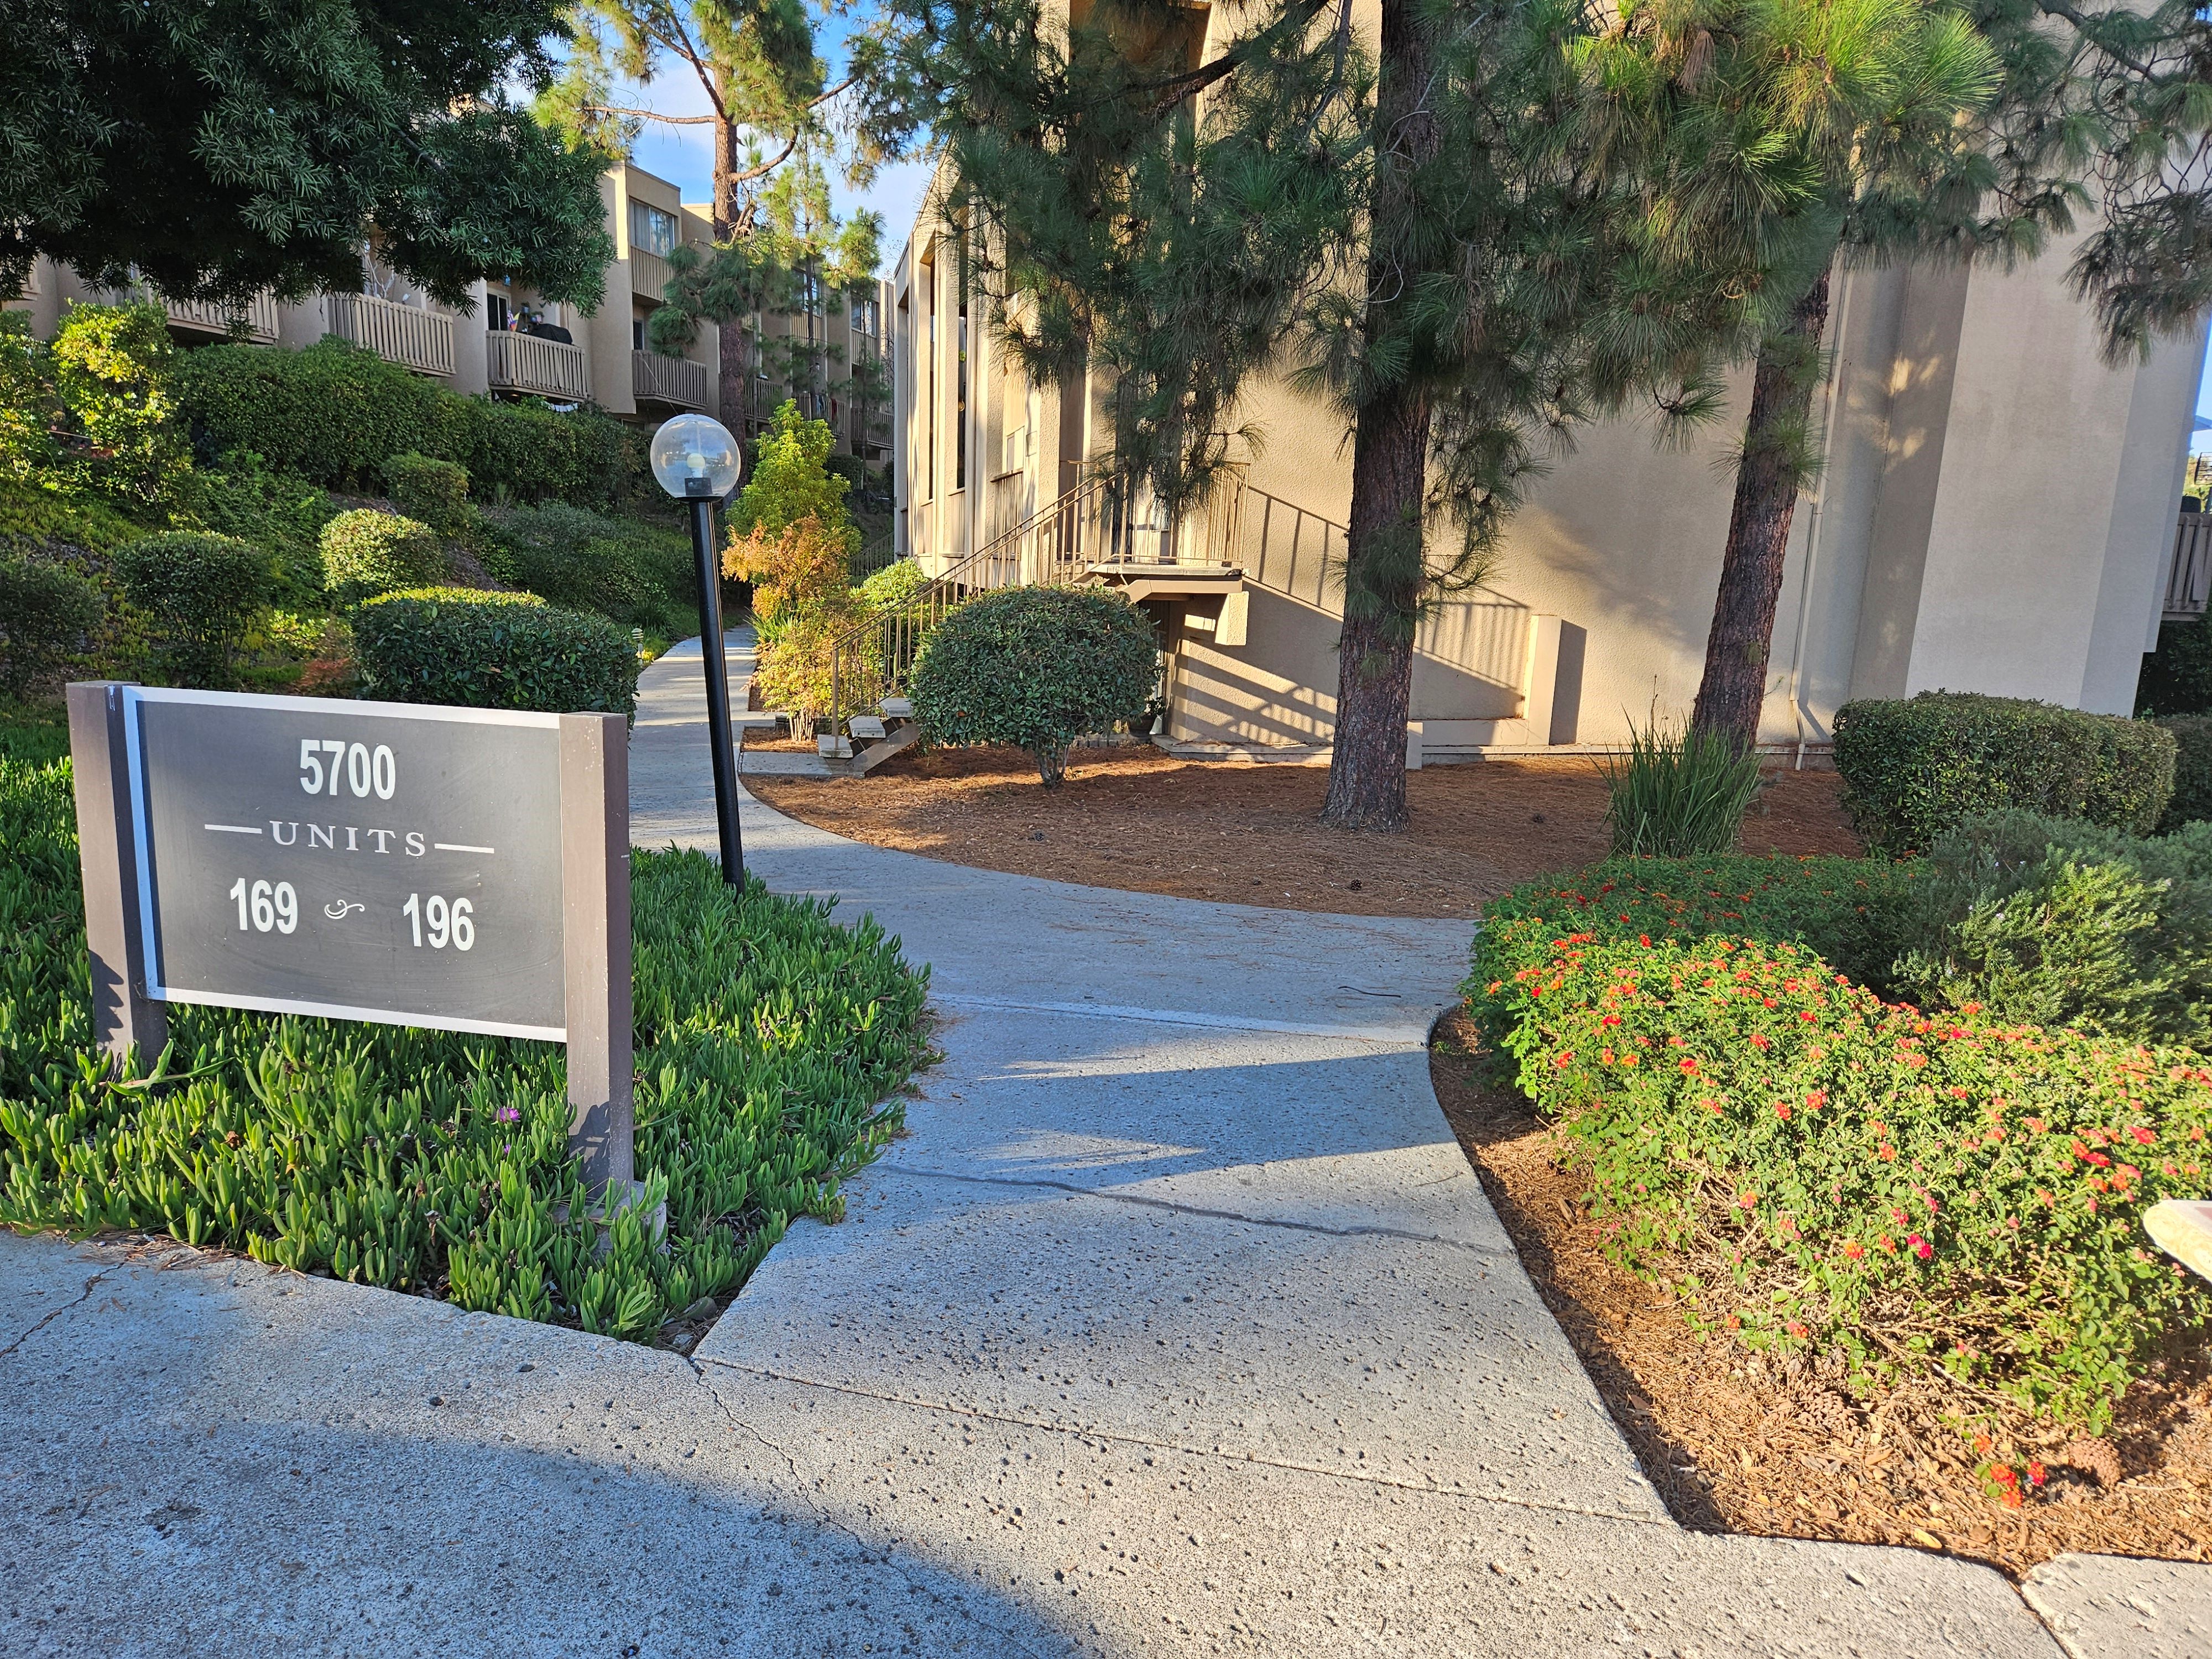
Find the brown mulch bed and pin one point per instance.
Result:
(1736, 1445)
(1142, 819)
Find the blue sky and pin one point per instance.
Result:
(2203, 441)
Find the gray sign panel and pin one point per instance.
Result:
(360, 861)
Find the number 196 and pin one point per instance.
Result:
(448, 923)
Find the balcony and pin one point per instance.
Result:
(676, 380)
(411, 336)
(648, 275)
(258, 317)
(524, 362)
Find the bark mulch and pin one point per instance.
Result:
(1736, 1446)
(1140, 819)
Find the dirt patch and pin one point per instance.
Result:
(1736, 1445)
(1143, 820)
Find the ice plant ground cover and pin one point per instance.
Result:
(771, 1049)
(1815, 1170)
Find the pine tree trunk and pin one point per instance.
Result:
(733, 367)
(1767, 480)
(1383, 568)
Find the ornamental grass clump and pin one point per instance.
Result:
(1678, 794)
(771, 1049)
(1814, 1169)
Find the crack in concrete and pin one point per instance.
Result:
(1490, 1252)
(83, 1297)
(1178, 1449)
(825, 1519)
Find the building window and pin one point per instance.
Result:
(960, 395)
(497, 316)
(652, 230)
(637, 334)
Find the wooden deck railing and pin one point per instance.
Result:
(525, 362)
(259, 316)
(413, 337)
(2189, 569)
(676, 380)
(648, 275)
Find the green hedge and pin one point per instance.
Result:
(460, 645)
(637, 573)
(1815, 1170)
(201, 590)
(334, 413)
(436, 492)
(772, 1046)
(2191, 802)
(2177, 678)
(1037, 667)
(366, 552)
(1920, 766)
(45, 614)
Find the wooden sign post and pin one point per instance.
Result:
(465, 869)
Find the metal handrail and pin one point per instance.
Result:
(1077, 539)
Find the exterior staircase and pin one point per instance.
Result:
(1086, 538)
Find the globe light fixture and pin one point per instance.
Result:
(695, 456)
(698, 462)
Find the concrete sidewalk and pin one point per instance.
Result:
(1177, 1324)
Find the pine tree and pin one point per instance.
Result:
(768, 103)
(1432, 239)
(216, 148)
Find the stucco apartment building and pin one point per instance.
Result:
(510, 342)
(1998, 514)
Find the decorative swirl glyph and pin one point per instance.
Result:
(338, 909)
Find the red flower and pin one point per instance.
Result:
(1610, 1019)
(1758, 1039)
(1853, 1249)
(2035, 1474)
(1782, 1111)
(2143, 1137)
(1689, 1067)
(1563, 1058)
(1807, 1015)
(1921, 1247)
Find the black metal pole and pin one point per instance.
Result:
(718, 687)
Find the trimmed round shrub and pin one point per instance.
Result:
(1037, 667)
(201, 590)
(2191, 802)
(366, 552)
(630, 572)
(436, 492)
(462, 645)
(1920, 766)
(43, 613)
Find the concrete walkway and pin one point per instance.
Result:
(1177, 1324)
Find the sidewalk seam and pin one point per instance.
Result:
(1665, 1522)
(1486, 1251)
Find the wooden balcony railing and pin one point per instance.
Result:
(525, 362)
(2189, 569)
(676, 380)
(259, 315)
(648, 275)
(411, 336)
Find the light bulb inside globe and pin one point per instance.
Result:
(694, 457)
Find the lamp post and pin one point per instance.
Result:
(698, 462)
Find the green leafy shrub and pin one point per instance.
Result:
(91, 413)
(1920, 766)
(2055, 921)
(1856, 913)
(434, 492)
(791, 481)
(1037, 667)
(1678, 794)
(458, 645)
(2191, 801)
(45, 614)
(335, 413)
(1812, 1168)
(637, 573)
(278, 511)
(2177, 678)
(771, 1046)
(202, 591)
(366, 552)
(894, 585)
